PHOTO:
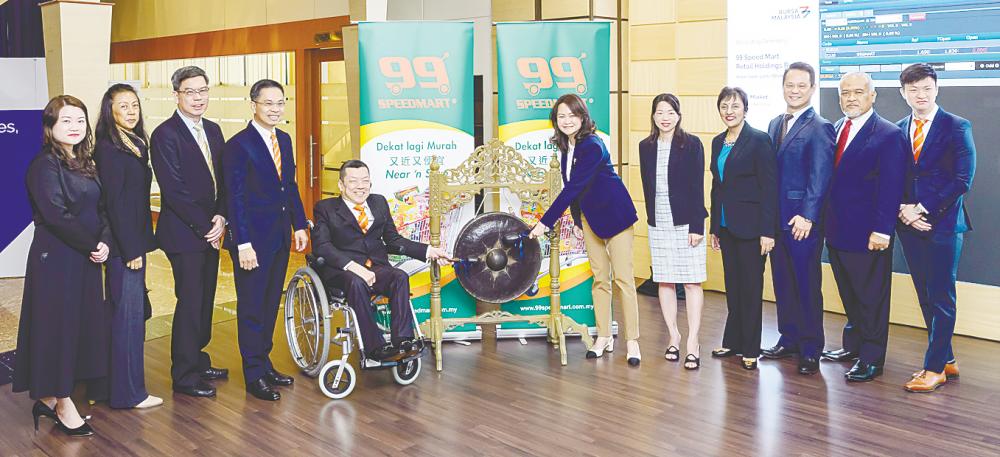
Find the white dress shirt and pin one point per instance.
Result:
(371, 220)
(266, 135)
(191, 124)
(927, 128)
(569, 160)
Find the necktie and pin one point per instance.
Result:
(205, 152)
(784, 129)
(918, 138)
(842, 142)
(363, 223)
(276, 153)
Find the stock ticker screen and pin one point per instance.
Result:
(961, 39)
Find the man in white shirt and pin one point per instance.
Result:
(264, 208)
(870, 165)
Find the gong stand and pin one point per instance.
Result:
(492, 167)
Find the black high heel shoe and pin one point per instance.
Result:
(41, 409)
(83, 430)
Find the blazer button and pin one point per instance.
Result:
(282, 188)
(282, 208)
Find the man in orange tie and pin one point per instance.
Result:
(264, 207)
(354, 235)
(932, 218)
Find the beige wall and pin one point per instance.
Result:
(140, 19)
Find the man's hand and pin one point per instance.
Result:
(922, 225)
(218, 224)
(216, 244)
(694, 239)
(363, 273)
(715, 242)
(100, 254)
(134, 264)
(439, 255)
(909, 214)
(248, 259)
(800, 227)
(301, 240)
(766, 244)
(877, 242)
(537, 231)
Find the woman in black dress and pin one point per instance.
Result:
(123, 166)
(63, 334)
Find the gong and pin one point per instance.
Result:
(496, 261)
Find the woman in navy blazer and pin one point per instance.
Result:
(603, 211)
(672, 165)
(122, 158)
(744, 220)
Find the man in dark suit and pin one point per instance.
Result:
(870, 165)
(263, 203)
(186, 151)
(805, 144)
(933, 218)
(354, 234)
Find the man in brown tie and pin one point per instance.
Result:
(354, 234)
(265, 209)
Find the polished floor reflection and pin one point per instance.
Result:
(505, 398)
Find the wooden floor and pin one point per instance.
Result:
(504, 398)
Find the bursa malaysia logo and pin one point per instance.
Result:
(8, 128)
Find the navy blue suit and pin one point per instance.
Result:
(938, 181)
(805, 164)
(595, 190)
(865, 192)
(189, 199)
(263, 208)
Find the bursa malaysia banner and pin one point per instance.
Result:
(417, 107)
(537, 62)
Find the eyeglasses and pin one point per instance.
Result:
(190, 93)
(269, 105)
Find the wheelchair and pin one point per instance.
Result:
(309, 307)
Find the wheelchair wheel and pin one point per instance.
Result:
(307, 321)
(337, 379)
(406, 373)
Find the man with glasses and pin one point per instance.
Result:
(264, 206)
(186, 152)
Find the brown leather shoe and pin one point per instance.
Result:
(927, 381)
(950, 371)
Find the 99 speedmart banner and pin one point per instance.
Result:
(537, 62)
(417, 106)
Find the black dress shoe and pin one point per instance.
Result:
(724, 352)
(863, 372)
(808, 365)
(262, 390)
(385, 353)
(83, 430)
(840, 355)
(201, 389)
(275, 378)
(778, 352)
(211, 373)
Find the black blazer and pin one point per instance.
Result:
(685, 177)
(188, 200)
(338, 238)
(126, 180)
(750, 189)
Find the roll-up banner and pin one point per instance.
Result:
(536, 63)
(417, 105)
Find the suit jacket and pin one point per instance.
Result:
(867, 185)
(126, 180)
(262, 208)
(593, 190)
(188, 198)
(685, 177)
(338, 238)
(805, 164)
(749, 190)
(942, 176)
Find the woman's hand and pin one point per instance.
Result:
(578, 232)
(537, 231)
(766, 244)
(694, 239)
(100, 254)
(134, 264)
(715, 242)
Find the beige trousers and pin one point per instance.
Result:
(612, 257)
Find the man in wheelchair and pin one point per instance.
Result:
(354, 234)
